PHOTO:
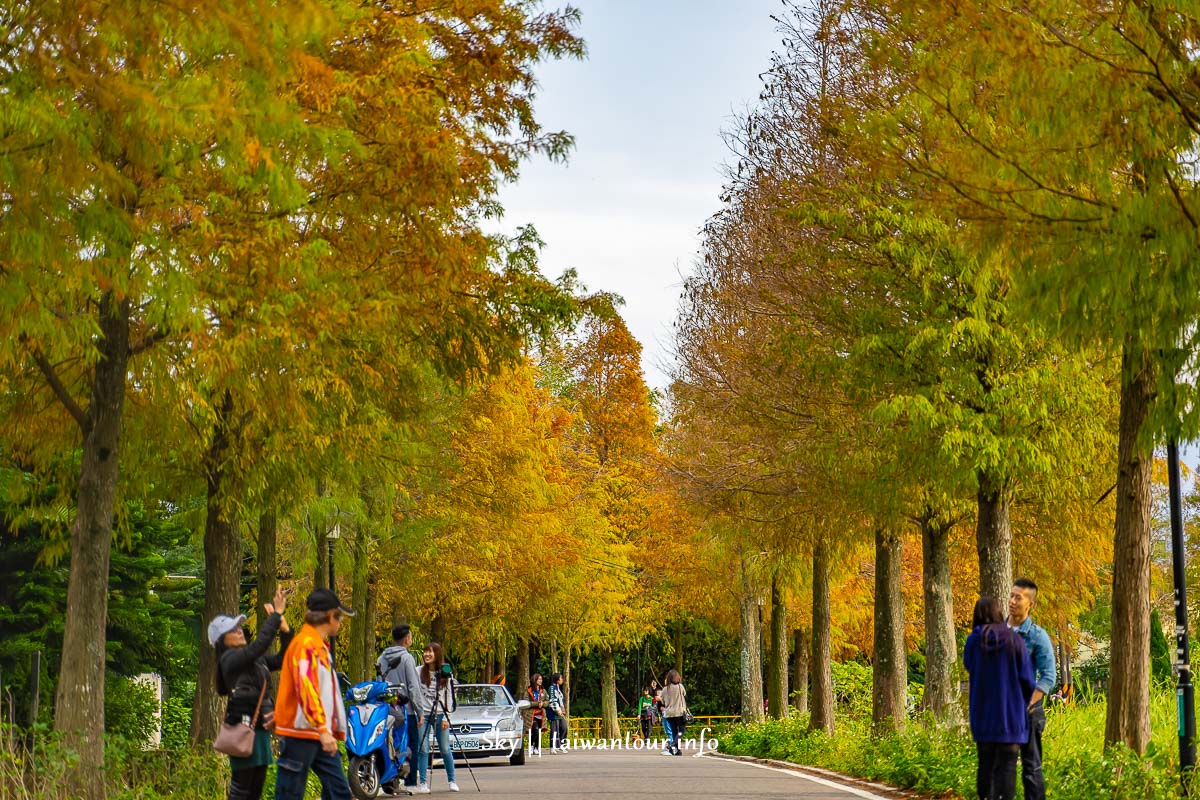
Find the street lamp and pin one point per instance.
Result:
(1185, 691)
(334, 534)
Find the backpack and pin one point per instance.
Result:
(391, 664)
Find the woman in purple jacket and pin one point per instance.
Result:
(1002, 682)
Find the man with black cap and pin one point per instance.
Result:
(310, 717)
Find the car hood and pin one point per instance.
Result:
(482, 712)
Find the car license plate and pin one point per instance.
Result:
(464, 743)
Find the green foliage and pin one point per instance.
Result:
(936, 762)
(131, 773)
(711, 676)
(129, 708)
(1160, 652)
(177, 717)
(149, 617)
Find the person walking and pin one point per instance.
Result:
(310, 717)
(244, 676)
(1002, 682)
(1021, 601)
(537, 713)
(656, 693)
(396, 665)
(436, 702)
(674, 700)
(646, 708)
(556, 710)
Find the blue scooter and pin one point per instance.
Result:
(379, 750)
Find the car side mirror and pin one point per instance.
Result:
(523, 705)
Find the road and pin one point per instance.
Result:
(638, 775)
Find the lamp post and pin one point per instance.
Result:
(334, 534)
(1185, 691)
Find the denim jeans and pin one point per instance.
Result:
(1031, 756)
(413, 732)
(678, 729)
(667, 730)
(296, 758)
(558, 732)
(443, 740)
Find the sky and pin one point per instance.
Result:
(662, 78)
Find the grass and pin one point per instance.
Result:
(942, 763)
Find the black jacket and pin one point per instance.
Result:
(245, 669)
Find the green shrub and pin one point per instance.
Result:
(131, 773)
(933, 761)
(177, 718)
(129, 708)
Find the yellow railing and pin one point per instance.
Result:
(589, 727)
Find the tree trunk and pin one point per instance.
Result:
(267, 580)
(567, 680)
(941, 648)
(1064, 662)
(609, 726)
(523, 673)
(362, 628)
(222, 574)
(750, 659)
(1129, 677)
(800, 671)
(821, 664)
(321, 570)
(679, 646)
(79, 700)
(777, 673)
(993, 539)
(553, 657)
(437, 631)
(889, 686)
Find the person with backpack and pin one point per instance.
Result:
(1002, 683)
(556, 710)
(397, 665)
(243, 675)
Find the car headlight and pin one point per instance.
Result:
(379, 728)
(360, 693)
(509, 724)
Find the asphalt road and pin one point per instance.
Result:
(639, 775)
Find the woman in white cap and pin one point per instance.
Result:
(243, 675)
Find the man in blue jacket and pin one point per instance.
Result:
(1020, 603)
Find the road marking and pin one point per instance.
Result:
(795, 773)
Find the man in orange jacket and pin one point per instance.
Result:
(310, 717)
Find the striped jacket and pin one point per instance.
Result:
(309, 702)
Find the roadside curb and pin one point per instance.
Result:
(879, 789)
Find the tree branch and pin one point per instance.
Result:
(60, 391)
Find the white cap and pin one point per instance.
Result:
(222, 625)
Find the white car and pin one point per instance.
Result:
(486, 723)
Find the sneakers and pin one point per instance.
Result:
(421, 788)
(453, 786)
(667, 752)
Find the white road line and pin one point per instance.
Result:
(821, 781)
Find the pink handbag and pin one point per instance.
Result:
(238, 739)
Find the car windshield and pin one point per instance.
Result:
(481, 696)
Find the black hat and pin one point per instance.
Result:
(325, 600)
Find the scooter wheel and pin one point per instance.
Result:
(364, 777)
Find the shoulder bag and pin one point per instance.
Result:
(237, 739)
